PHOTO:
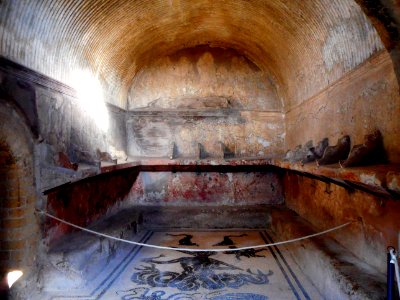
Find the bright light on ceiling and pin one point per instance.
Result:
(91, 98)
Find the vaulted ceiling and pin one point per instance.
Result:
(304, 45)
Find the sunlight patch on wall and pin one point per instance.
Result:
(91, 97)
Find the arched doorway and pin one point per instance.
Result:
(19, 229)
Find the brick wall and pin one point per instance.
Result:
(18, 229)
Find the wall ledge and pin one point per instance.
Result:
(381, 180)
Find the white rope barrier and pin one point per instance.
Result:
(393, 260)
(191, 249)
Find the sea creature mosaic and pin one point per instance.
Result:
(147, 294)
(198, 270)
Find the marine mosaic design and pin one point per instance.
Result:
(141, 273)
(198, 270)
(146, 294)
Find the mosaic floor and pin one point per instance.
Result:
(152, 274)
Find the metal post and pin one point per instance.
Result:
(390, 277)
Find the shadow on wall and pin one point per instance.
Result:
(87, 200)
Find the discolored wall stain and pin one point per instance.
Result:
(211, 188)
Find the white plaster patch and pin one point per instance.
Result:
(370, 179)
(349, 44)
(263, 142)
(394, 185)
(230, 177)
(271, 126)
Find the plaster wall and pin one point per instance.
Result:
(243, 133)
(92, 198)
(204, 95)
(208, 188)
(87, 200)
(375, 222)
(173, 81)
(364, 99)
(59, 123)
(67, 128)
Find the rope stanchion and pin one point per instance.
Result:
(191, 249)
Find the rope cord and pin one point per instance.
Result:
(190, 249)
(393, 260)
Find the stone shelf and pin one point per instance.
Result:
(383, 180)
(185, 164)
(379, 179)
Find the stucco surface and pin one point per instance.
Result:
(244, 133)
(375, 220)
(365, 99)
(200, 72)
(211, 188)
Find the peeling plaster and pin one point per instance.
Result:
(335, 49)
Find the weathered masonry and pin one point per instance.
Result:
(199, 125)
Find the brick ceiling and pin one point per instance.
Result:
(305, 45)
